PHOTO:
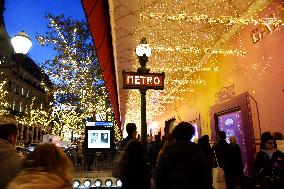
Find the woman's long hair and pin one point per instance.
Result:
(50, 158)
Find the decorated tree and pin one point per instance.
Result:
(79, 90)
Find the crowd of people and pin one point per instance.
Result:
(173, 162)
(177, 163)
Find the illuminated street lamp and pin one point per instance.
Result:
(143, 51)
(21, 43)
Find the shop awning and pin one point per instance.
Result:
(97, 14)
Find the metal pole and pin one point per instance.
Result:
(143, 115)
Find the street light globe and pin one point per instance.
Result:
(143, 48)
(21, 43)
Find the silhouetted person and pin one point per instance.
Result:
(137, 174)
(221, 149)
(182, 164)
(236, 163)
(154, 149)
(88, 156)
(166, 132)
(229, 157)
(204, 145)
(131, 134)
(269, 164)
(10, 160)
(47, 167)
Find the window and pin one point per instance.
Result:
(14, 105)
(26, 108)
(21, 107)
(23, 91)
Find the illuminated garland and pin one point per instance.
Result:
(35, 115)
(227, 20)
(181, 33)
(4, 105)
(198, 50)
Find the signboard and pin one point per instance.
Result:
(134, 80)
(100, 123)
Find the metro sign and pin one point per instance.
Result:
(134, 80)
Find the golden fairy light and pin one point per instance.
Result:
(187, 37)
(78, 92)
(4, 104)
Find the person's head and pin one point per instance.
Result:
(167, 129)
(267, 141)
(233, 139)
(131, 129)
(183, 131)
(157, 138)
(9, 132)
(203, 141)
(52, 159)
(222, 135)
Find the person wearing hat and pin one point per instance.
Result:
(269, 164)
(10, 160)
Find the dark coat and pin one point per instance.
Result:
(235, 160)
(183, 166)
(229, 157)
(124, 142)
(269, 172)
(137, 169)
(221, 150)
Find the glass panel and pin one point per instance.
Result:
(232, 124)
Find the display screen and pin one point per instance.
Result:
(195, 136)
(99, 138)
(232, 124)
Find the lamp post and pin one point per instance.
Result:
(143, 80)
(143, 51)
(21, 44)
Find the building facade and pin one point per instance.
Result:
(25, 95)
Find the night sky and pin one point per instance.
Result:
(29, 16)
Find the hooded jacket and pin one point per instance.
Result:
(10, 162)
